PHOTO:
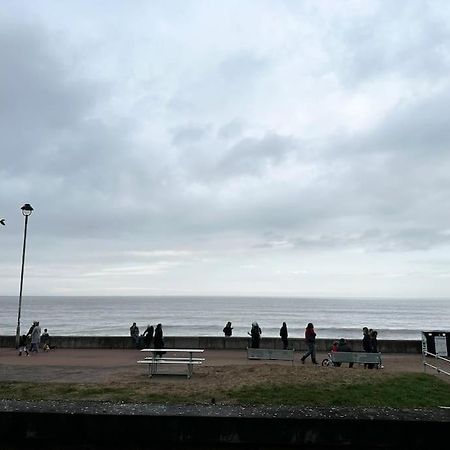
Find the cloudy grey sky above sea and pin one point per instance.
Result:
(233, 147)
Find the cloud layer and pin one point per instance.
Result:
(190, 148)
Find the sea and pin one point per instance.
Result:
(333, 318)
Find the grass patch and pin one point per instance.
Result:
(403, 391)
(398, 391)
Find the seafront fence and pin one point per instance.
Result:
(444, 361)
(215, 343)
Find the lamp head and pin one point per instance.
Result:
(27, 209)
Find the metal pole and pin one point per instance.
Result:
(21, 282)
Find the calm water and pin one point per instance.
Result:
(206, 316)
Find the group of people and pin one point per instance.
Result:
(255, 334)
(34, 339)
(369, 343)
(150, 335)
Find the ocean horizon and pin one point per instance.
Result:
(336, 317)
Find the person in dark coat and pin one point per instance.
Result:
(23, 345)
(284, 335)
(134, 333)
(148, 336)
(310, 340)
(374, 341)
(343, 346)
(159, 339)
(228, 330)
(255, 334)
(367, 345)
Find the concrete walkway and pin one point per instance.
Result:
(95, 365)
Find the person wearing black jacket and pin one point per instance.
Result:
(367, 345)
(284, 335)
(255, 333)
(228, 330)
(148, 336)
(159, 339)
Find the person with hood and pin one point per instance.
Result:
(255, 334)
(228, 330)
(148, 335)
(284, 335)
(310, 340)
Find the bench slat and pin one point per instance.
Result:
(270, 353)
(184, 363)
(170, 358)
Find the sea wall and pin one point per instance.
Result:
(214, 343)
(57, 425)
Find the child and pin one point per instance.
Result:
(23, 345)
(335, 347)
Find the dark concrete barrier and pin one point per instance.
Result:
(214, 343)
(90, 425)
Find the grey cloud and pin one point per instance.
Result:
(250, 156)
(397, 38)
(231, 130)
(39, 99)
(403, 240)
(189, 134)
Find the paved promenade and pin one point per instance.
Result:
(100, 365)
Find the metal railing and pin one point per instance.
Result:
(440, 358)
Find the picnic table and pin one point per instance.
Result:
(156, 360)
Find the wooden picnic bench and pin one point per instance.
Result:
(270, 353)
(155, 361)
(337, 358)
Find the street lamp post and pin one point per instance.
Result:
(26, 211)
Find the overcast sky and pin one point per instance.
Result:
(226, 147)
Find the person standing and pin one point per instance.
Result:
(159, 339)
(148, 335)
(310, 340)
(255, 334)
(228, 330)
(35, 338)
(284, 335)
(134, 333)
(367, 345)
(374, 341)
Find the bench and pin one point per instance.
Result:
(155, 361)
(335, 358)
(270, 353)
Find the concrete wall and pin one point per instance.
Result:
(213, 343)
(34, 425)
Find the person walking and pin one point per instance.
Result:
(310, 340)
(284, 335)
(35, 338)
(228, 330)
(255, 334)
(23, 345)
(159, 339)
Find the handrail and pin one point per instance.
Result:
(438, 369)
